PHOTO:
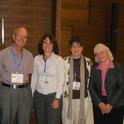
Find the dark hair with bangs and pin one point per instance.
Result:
(52, 40)
(75, 39)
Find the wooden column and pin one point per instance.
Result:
(58, 24)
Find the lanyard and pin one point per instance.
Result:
(45, 66)
(17, 61)
(76, 69)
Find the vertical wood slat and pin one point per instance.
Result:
(58, 25)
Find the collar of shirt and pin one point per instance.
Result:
(51, 57)
(110, 65)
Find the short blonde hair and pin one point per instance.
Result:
(100, 47)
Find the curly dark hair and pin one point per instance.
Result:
(52, 40)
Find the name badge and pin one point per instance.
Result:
(76, 85)
(44, 79)
(17, 78)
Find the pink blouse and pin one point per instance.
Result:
(104, 72)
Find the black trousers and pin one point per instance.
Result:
(45, 114)
(114, 117)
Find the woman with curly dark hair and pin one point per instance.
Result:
(47, 82)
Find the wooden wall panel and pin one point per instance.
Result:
(34, 14)
(75, 21)
(66, 36)
(121, 15)
(100, 16)
(120, 33)
(92, 23)
(89, 34)
(75, 12)
(120, 45)
(76, 18)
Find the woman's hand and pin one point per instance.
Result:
(105, 108)
(55, 103)
(108, 108)
(102, 107)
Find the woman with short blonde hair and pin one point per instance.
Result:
(106, 87)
